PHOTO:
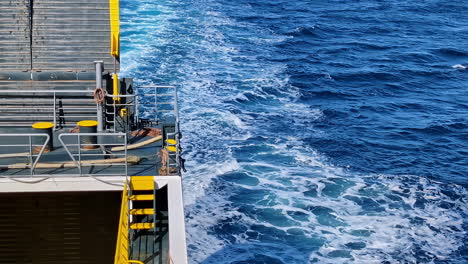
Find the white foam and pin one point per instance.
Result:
(202, 175)
(459, 66)
(204, 64)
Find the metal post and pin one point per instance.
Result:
(137, 111)
(156, 104)
(99, 68)
(79, 154)
(55, 111)
(126, 157)
(177, 132)
(31, 155)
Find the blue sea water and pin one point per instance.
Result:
(314, 131)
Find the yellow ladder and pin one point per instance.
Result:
(137, 183)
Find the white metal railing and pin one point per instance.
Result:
(159, 103)
(73, 149)
(156, 103)
(116, 107)
(53, 108)
(77, 157)
(32, 157)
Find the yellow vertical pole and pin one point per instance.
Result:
(114, 13)
(115, 84)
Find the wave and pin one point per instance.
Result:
(441, 129)
(313, 31)
(451, 52)
(459, 66)
(324, 214)
(366, 76)
(256, 192)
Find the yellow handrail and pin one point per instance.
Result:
(123, 242)
(122, 248)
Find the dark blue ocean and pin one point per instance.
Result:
(314, 131)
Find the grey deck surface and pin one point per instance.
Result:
(151, 246)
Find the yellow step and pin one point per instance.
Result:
(142, 197)
(136, 226)
(142, 183)
(142, 211)
(171, 141)
(171, 148)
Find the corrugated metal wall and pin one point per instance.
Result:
(70, 35)
(46, 85)
(14, 36)
(52, 45)
(67, 35)
(73, 228)
(26, 108)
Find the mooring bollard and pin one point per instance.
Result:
(88, 126)
(38, 142)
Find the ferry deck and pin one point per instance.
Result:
(90, 166)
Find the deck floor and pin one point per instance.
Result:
(149, 162)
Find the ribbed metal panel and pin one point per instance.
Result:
(58, 228)
(27, 108)
(51, 45)
(14, 36)
(69, 35)
(47, 85)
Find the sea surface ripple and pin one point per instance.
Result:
(314, 131)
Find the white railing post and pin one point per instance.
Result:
(79, 154)
(30, 154)
(99, 118)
